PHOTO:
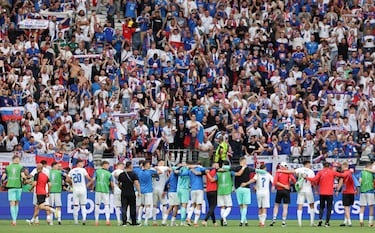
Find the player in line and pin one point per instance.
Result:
(55, 176)
(117, 191)
(15, 172)
(263, 181)
(196, 192)
(103, 180)
(304, 189)
(77, 177)
(171, 187)
(366, 197)
(158, 190)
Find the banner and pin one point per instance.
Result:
(12, 113)
(33, 24)
(87, 56)
(26, 208)
(27, 160)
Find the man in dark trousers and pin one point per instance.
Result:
(127, 181)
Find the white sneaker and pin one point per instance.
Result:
(30, 222)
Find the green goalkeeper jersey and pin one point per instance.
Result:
(103, 181)
(183, 182)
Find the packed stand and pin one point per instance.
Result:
(261, 77)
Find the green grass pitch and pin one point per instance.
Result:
(69, 227)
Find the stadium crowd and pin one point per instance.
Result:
(285, 77)
(225, 79)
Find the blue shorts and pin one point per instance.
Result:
(14, 194)
(243, 196)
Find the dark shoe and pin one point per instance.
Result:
(342, 225)
(241, 224)
(59, 223)
(246, 224)
(327, 224)
(272, 223)
(320, 223)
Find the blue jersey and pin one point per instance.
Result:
(172, 182)
(145, 180)
(196, 181)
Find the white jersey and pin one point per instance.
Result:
(158, 182)
(306, 186)
(115, 175)
(263, 182)
(78, 176)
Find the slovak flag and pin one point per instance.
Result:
(89, 163)
(63, 159)
(153, 145)
(12, 113)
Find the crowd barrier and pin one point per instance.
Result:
(26, 208)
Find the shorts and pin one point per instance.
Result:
(137, 199)
(55, 199)
(183, 196)
(263, 200)
(302, 196)
(243, 196)
(80, 197)
(366, 199)
(146, 199)
(14, 194)
(282, 196)
(197, 196)
(117, 199)
(157, 195)
(41, 199)
(224, 200)
(173, 199)
(101, 198)
(347, 199)
(35, 200)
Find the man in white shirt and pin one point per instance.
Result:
(117, 191)
(77, 177)
(158, 184)
(304, 189)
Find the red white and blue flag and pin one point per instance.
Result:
(63, 159)
(153, 145)
(12, 113)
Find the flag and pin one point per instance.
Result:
(113, 134)
(88, 162)
(60, 158)
(12, 113)
(153, 145)
(60, 17)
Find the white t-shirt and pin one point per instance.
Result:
(263, 182)
(306, 186)
(115, 175)
(78, 176)
(158, 182)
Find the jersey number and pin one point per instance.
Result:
(263, 181)
(77, 178)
